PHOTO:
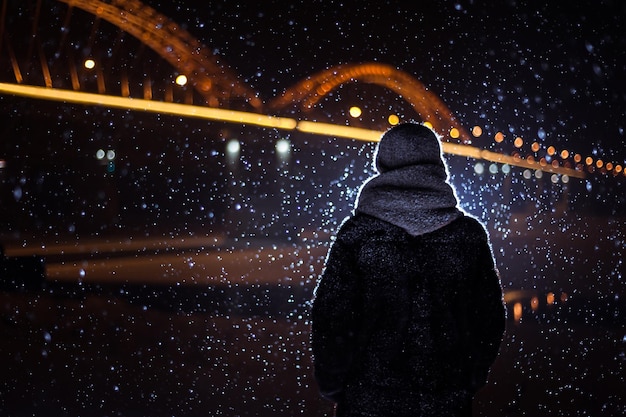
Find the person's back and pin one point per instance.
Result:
(406, 323)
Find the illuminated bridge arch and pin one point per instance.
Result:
(212, 80)
(430, 107)
(174, 44)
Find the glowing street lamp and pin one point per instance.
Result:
(283, 150)
(89, 63)
(181, 80)
(355, 111)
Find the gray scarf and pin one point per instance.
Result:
(411, 191)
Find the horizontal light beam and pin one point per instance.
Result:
(328, 129)
(233, 116)
(153, 106)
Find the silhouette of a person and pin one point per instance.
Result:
(408, 314)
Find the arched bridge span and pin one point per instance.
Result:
(427, 104)
(211, 79)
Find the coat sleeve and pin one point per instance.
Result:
(488, 315)
(334, 319)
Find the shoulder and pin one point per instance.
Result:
(465, 230)
(361, 224)
(359, 228)
(470, 224)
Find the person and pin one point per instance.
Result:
(408, 314)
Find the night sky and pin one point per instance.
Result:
(551, 72)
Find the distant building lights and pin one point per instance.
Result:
(454, 133)
(181, 80)
(477, 131)
(499, 137)
(518, 142)
(89, 63)
(393, 119)
(355, 111)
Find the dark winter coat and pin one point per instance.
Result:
(406, 325)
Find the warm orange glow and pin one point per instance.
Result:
(578, 158)
(550, 298)
(589, 160)
(534, 303)
(564, 154)
(551, 150)
(454, 133)
(499, 137)
(428, 125)
(477, 131)
(535, 147)
(599, 163)
(518, 142)
(517, 311)
(90, 63)
(609, 166)
(393, 119)
(618, 168)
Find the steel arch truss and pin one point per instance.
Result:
(215, 82)
(427, 104)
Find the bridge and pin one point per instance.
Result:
(51, 58)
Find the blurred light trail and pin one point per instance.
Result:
(124, 245)
(329, 129)
(153, 106)
(233, 116)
